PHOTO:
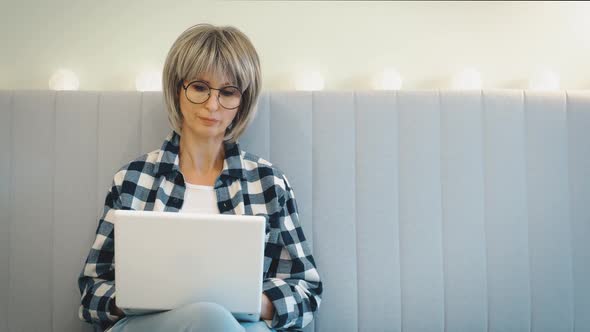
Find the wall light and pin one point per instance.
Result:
(467, 79)
(309, 81)
(544, 80)
(390, 79)
(149, 80)
(64, 79)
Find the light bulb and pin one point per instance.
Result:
(467, 79)
(64, 79)
(149, 80)
(544, 80)
(310, 81)
(389, 79)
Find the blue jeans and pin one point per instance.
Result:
(194, 317)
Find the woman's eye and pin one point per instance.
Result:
(199, 87)
(230, 92)
(227, 93)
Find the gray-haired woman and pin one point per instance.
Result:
(211, 83)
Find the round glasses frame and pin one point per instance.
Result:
(209, 93)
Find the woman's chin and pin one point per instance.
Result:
(206, 131)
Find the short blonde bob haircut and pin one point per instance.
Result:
(223, 51)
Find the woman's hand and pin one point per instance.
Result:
(116, 310)
(268, 310)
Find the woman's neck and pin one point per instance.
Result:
(200, 158)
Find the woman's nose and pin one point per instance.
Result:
(213, 101)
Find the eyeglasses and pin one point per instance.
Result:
(198, 92)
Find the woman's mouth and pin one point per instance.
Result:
(208, 121)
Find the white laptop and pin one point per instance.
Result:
(164, 260)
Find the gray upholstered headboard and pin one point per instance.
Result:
(428, 210)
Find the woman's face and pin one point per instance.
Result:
(209, 119)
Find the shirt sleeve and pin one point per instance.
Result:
(97, 279)
(293, 283)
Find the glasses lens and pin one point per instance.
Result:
(229, 97)
(197, 92)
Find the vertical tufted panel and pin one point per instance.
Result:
(291, 148)
(31, 227)
(5, 194)
(119, 120)
(420, 212)
(509, 296)
(334, 208)
(550, 243)
(290, 129)
(463, 212)
(377, 217)
(578, 119)
(154, 124)
(256, 138)
(74, 193)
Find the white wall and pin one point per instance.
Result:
(107, 43)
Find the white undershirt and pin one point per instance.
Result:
(199, 198)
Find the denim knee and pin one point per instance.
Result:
(207, 316)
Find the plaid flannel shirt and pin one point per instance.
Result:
(247, 185)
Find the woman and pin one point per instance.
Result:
(211, 83)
